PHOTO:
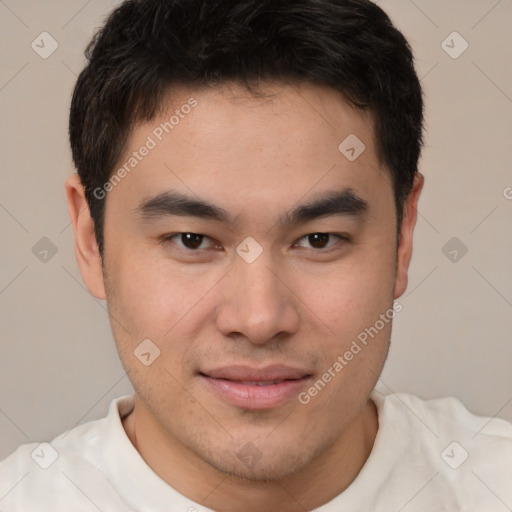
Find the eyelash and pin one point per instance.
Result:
(344, 237)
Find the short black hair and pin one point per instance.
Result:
(146, 46)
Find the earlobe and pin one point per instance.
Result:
(86, 247)
(404, 253)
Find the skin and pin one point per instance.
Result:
(296, 304)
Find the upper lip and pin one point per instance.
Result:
(247, 373)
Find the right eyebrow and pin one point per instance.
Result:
(176, 203)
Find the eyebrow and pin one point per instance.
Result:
(344, 202)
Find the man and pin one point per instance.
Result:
(245, 202)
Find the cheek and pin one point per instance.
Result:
(155, 298)
(146, 303)
(356, 303)
(352, 295)
(142, 298)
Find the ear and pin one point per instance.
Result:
(86, 248)
(404, 252)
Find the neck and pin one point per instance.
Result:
(328, 475)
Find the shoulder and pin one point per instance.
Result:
(445, 414)
(50, 475)
(466, 458)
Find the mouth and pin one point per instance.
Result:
(256, 389)
(260, 382)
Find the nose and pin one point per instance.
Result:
(258, 302)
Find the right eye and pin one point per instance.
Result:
(188, 241)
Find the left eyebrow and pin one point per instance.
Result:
(344, 202)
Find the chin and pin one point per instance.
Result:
(261, 473)
(250, 464)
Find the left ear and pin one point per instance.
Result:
(404, 253)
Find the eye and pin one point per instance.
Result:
(322, 240)
(189, 241)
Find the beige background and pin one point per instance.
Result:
(58, 363)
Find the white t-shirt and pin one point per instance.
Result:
(428, 456)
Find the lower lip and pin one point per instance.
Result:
(248, 396)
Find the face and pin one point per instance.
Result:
(253, 253)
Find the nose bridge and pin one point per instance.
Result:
(257, 305)
(261, 282)
(259, 288)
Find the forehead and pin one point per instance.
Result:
(306, 112)
(226, 144)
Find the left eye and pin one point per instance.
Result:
(320, 240)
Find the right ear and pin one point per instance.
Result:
(86, 248)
